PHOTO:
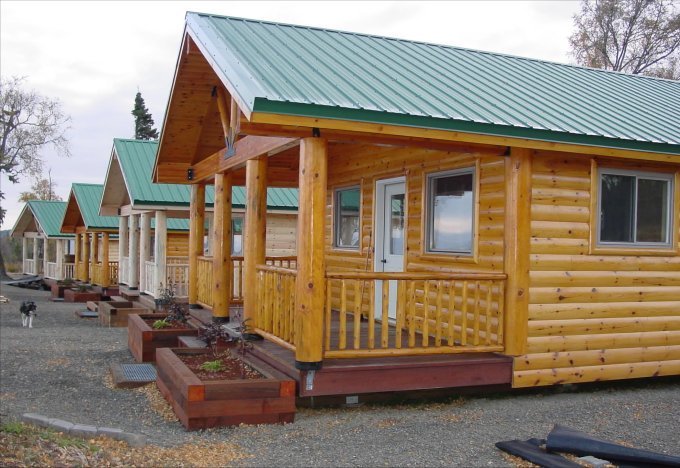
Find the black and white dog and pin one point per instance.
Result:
(28, 311)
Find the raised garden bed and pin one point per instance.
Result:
(75, 295)
(115, 313)
(143, 339)
(200, 404)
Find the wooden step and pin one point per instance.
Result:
(118, 299)
(93, 306)
(191, 342)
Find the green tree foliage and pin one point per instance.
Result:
(631, 36)
(143, 121)
(28, 122)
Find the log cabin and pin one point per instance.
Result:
(44, 250)
(465, 217)
(141, 206)
(96, 237)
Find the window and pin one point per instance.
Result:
(635, 208)
(450, 211)
(237, 237)
(346, 203)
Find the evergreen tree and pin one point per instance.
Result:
(143, 121)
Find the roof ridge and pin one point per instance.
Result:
(135, 140)
(445, 46)
(87, 183)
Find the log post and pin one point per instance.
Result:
(86, 257)
(310, 283)
(106, 272)
(517, 247)
(45, 259)
(196, 235)
(60, 259)
(133, 280)
(77, 254)
(123, 251)
(35, 255)
(222, 269)
(161, 279)
(254, 234)
(24, 254)
(144, 250)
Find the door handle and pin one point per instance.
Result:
(384, 260)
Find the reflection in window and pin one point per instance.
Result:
(237, 237)
(451, 212)
(397, 224)
(347, 218)
(635, 208)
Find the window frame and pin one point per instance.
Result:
(337, 212)
(669, 177)
(429, 212)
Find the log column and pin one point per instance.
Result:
(133, 252)
(24, 254)
(60, 259)
(196, 234)
(123, 249)
(106, 272)
(310, 283)
(46, 257)
(35, 255)
(254, 234)
(222, 269)
(77, 254)
(161, 239)
(95, 253)
(517, 247)
(86, 257)
(145, 250)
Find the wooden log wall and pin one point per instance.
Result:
(281, 234)
(178, 244)
(593, 316)
(361, 165)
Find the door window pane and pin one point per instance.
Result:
(397, 224)
(347, 218)
(237, 237)
(451, 215)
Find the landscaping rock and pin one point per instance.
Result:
(35, 419)
(83, 430)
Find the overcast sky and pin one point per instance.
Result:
(94, 56)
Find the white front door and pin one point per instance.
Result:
(390, 238)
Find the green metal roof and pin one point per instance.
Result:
(88, 197)
(137, 158)
(311, 72)
(48, 215)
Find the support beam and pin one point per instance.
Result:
(196, 235)
(222, 266)
(144, 248)
(94, 252)
(106, 273)
(86, 257)
(517, 247)
(123, 250)
(35, 257)
(254, 234)
(77, 255)
(133, 253)
(310, 283)
(45, 257)
(24, 253)
(161, 233)
(60, 258)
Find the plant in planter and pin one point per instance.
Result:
(177, 314)
(81, 293)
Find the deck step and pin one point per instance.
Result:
(86, 314)
(118, 299)
(191, 342)
(93, 306)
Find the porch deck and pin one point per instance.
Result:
(352, 376)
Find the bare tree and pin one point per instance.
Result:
(42, 189)
(28, 122)
(632, 36)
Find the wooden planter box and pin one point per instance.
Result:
(143, 340)
(115, 313)
(73, 295)
(59, 289)
(202, 404)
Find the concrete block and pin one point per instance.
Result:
(61, 425)
(83, 430)
(133, 440)
(108, 431)
(36, 419)
(595, 462)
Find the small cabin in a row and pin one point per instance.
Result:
(465, 218)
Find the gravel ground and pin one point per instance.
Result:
(60, 369)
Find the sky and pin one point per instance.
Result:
(94, 56)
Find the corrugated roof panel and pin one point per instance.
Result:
(49, 215)
(88, 197)
(279, 67)
(136, 159)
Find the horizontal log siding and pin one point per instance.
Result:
(178, 245)
(281, 234)
(362, 165)
(592, 317)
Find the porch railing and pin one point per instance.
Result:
(178, 278)
(419, 313)
(68, 270)
(205, 281)
(124, 270)
(275, 316)
(52, 270)
(149, 277)
(113, 273)
(29, 266)
(97, 273)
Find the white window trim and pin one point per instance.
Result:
(429, 212)
(670, 221)
(336, 217)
